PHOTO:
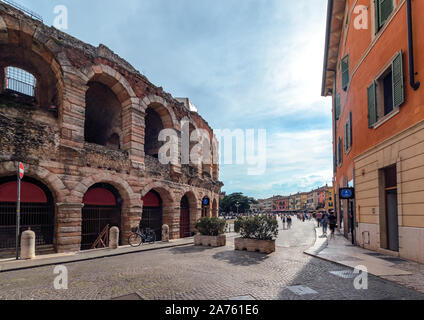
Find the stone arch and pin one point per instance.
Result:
(112, 79)
(130, 199)
(193, 210)
(22, 47)
(131, 202)
(55, 185)
(160, 106)
(170, 216)
(102, 207)
(128, 119)
(163, 190)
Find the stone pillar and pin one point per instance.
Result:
(165, 233)
(114, 238)
(68, 227)
(195, 215)
(28, 245)
(171, 217)
(131, 218)
(133, 127)
(72, 117)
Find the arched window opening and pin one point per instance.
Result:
(103, 116)
(37, 212)
(102, 207)
(185, 218)
(154, 126)
(30, 76)
(152, 216)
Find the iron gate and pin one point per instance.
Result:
(152, 218)
(94, 220)
(38, 217)
(185, 219)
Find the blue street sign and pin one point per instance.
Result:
(347, 193)
(206, 201)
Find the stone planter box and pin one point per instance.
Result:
(209, 241)
(252, 245)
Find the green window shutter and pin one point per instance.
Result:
(345, 72)
(377, 15)
(398, 88)
(338, 106)
(385, 8)
(345, 137)
(372, 104)
(350, 129)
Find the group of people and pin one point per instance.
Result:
(327, 220)
(304, 216)
(287, 221)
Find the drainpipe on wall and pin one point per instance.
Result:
(414, 85)
(335, 144)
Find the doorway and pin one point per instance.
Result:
(389, 223)
(152, 214)
(185, 218)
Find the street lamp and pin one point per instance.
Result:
(237, 205)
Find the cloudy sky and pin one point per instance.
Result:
(248, 64)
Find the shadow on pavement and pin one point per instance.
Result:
(190, 249)
(241, 258)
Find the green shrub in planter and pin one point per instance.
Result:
(211, 226)
(257, 227)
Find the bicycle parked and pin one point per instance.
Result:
(140, 236)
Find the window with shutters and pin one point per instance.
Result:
(348, 134)
(344, 65)
(339, 152)
(338, 106)
(386, 93)
(383, 10)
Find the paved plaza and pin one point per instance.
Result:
(188, 272)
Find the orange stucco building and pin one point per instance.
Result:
(373, 64)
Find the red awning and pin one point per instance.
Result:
(99, 197)
(151, 200)
(30, 193)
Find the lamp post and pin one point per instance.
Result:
(237, 205)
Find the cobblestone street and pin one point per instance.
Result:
(187, 273)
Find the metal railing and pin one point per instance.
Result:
(28, 12)
(20, 86)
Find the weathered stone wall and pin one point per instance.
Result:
(52, 145)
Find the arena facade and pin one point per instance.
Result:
(86, 124)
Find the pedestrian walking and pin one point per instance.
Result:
(284, 221)
(289, 222)
(332, 220)
(324, 222)
(319, 217)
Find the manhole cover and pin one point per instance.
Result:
(129, 297)
(302, 290)
(242, 298)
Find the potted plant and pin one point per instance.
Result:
(211, 232)
(257, 234)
